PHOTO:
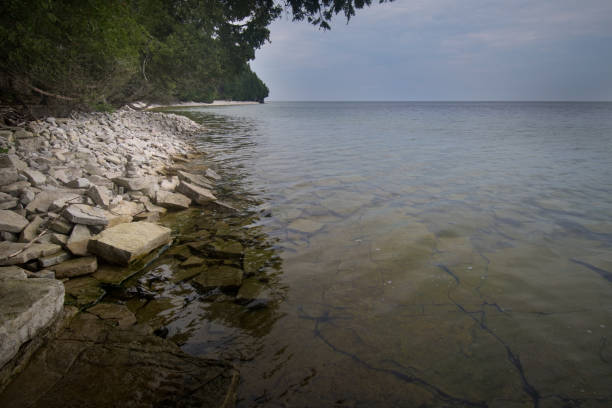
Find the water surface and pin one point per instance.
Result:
(420, 254)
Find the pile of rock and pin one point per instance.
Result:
(79, 193)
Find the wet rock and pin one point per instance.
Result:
(170, 200)
(140, 370)
(79, 238)
(113, 274)
(85, 214)
(210, 173)
(76, 267)
(200, 195)
(53, 259)
(126, 242)
(224, 277)
(252, 289)
(83, 291)
(255, 259)
(10, 221)
(114, 312)
(193, 261)
(31, 230)
(26, 307)
(184, 274)
(195, 179)
(222, 248)
(34, 251)
(181, 252)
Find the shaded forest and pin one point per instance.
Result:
(100, 54)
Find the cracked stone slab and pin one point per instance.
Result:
(86, 214)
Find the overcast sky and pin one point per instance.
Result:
(446, 50)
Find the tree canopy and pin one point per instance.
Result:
(97, 53)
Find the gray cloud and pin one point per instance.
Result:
(447, 49)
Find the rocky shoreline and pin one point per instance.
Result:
(80, 199)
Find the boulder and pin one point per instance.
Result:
(170, 200)
(85, 214)
(75, 267)
(27, 306)
(32, 252)
(10, 221)
(78, 240)
(124, 243)
(198, 194)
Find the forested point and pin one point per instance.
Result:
(100, 54)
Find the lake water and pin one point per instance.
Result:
(418, 254)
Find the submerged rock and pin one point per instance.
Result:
(83, 292)
(224, 277)
(138, 369)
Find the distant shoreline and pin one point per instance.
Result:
(200, 104)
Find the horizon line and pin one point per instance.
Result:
(450, 100)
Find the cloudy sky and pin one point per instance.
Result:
(446, 50)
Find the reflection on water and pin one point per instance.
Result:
(416, 254)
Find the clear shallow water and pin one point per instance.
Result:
(423, 254)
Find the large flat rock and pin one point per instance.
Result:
(124, 243)
(173, 201)
(26, 307)
(96, 363)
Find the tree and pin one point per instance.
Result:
(95, 53)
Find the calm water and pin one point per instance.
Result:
(420, 254)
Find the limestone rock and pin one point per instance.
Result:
(12, 272)
(195, 179)
(114, 312)
(44, 199)
(85, 214)
(10, 221)
(200, 195)
(100, 195)
(76, 267)
(124, 243)
(78, 240)
(32, 252)
(306, 226)
(170, 200)
(61, 226)
(26, 307)
(133, 183)
(53, 259)
(8, 175)
(34, 176)
(31, 230)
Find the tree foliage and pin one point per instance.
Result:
(109, 52)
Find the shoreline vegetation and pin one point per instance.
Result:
(81, 198)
